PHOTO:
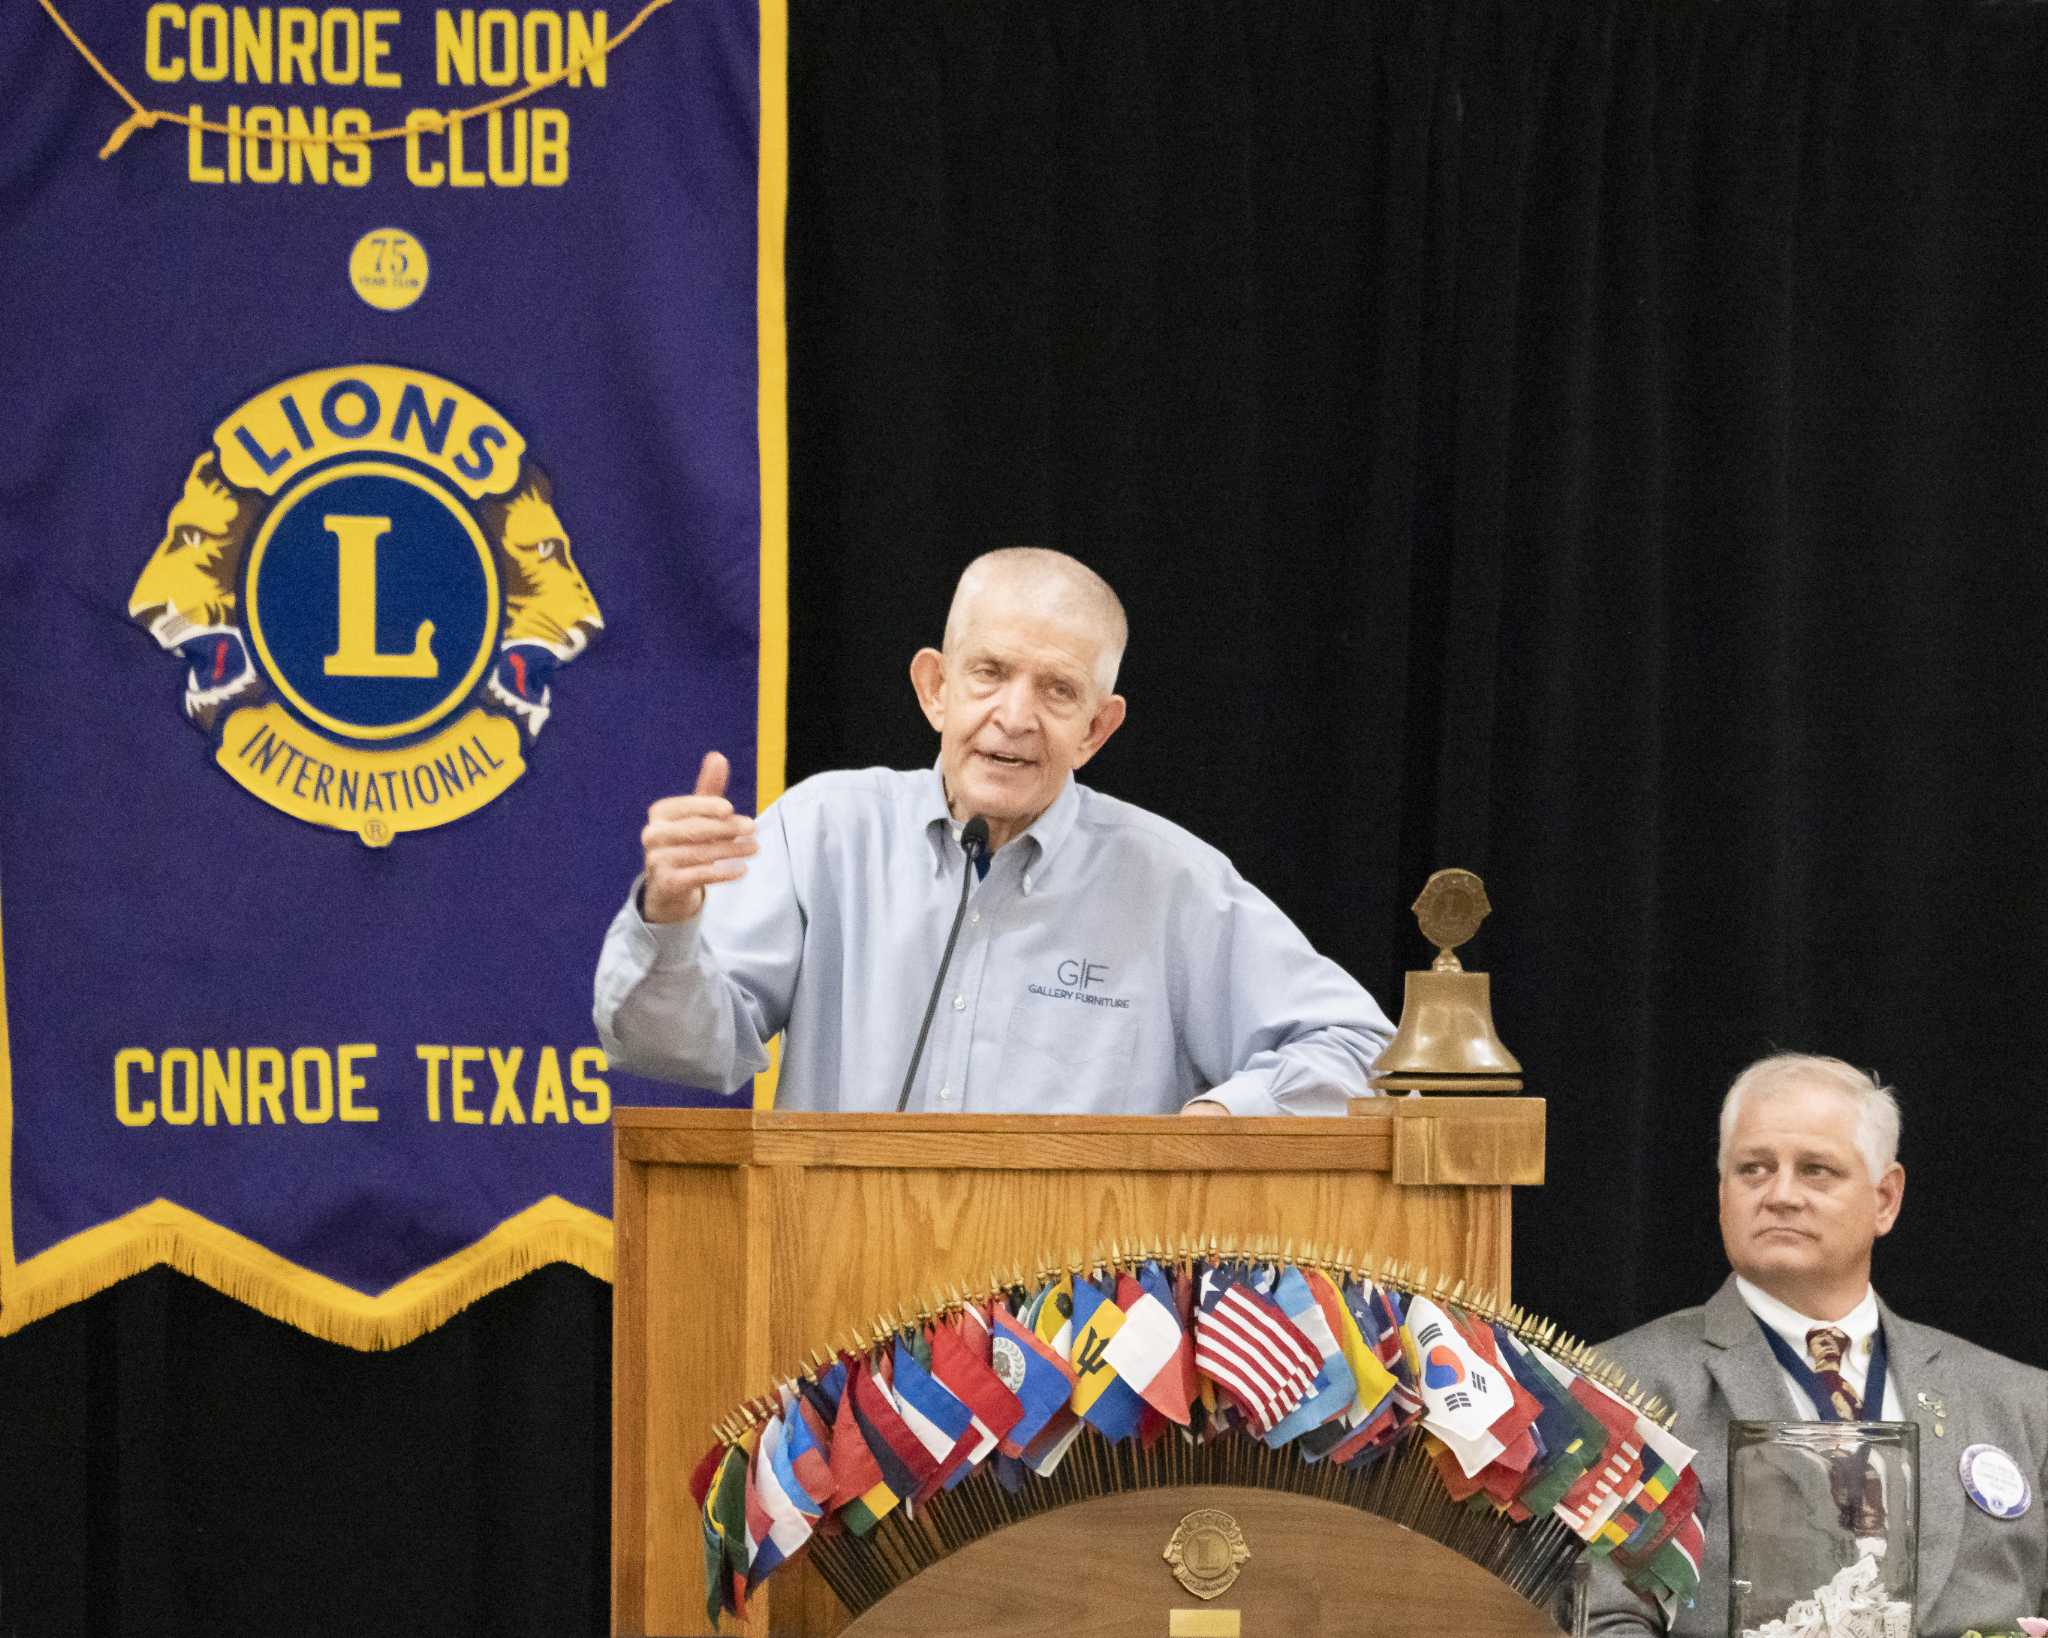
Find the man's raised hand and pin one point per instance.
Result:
(692, 841)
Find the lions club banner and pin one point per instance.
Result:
(392, 509)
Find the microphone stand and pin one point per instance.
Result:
(974, 841)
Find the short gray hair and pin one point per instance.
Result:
(1877, 1105)
(1050, 573)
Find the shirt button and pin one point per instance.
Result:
(1027, 883)
(945, 1094)
(976, 916)
(959, 1003)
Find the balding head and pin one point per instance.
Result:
(1024, 691)
(1049, 584)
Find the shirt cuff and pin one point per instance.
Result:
(1242, 1095)
(658, 943)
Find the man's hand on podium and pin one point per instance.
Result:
(1202, 1106)
(692, 841)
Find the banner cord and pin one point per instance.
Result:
(141, 118)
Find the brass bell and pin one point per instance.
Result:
(1447, 1042)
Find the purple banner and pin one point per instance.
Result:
(385, 529)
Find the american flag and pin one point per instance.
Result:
(1248, 1344)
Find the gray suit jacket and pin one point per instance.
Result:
(1713, 1366)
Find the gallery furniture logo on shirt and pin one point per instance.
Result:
(1077, 978)
(370, 589)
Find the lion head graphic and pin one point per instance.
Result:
(550, 616)
(187, 595)
(186, 592)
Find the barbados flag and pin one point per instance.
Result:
(1101, 1396)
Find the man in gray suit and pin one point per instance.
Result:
(1809, 1179)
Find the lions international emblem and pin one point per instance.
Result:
(371, 591)
(1206, 1552)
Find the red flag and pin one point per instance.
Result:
(968, 1377)
(854, 1469)
(704, 1472)
(880, 1411)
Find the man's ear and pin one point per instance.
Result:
(1108, 718)
(1891, 1195)
(928, 677)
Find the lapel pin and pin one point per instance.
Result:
(1937, 1407)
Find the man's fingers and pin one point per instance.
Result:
(684, 807)
(692, 829)
(697, 853)
(672, 874)
(713, 773)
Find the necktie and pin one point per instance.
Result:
(1858, 1495)
(1826, 1347)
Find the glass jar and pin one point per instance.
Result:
(1823, 1527)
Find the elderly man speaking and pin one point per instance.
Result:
(1097, 959)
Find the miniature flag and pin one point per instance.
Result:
(891, 1480)
(1512, 1432)
(1045, 1453)
(1461, 1394)
(785, 1526)
(1247, 1343)
(1042, 1381)
(880, 1415)
(726, 1555)
(1335, 1387)
(782, 1456)
(1373, 1381)
(705, 1473)
(1673, 1577)
(1151, 1351)
(941, 1423)
(963, 1368)
(854, 1470)
(1573, 1439)
(1592, 1500)
(808, 1450)
(1378, 1314)
(1642, 1547)
(971, 1326)
(1100, 1395)
(1052, 1316)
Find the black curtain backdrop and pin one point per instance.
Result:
(1598, 445)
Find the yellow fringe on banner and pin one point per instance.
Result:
(165, 1233)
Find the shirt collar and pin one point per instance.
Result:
(1859, 1324)
(1048, 831)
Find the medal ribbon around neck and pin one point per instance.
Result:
(1811, 1385)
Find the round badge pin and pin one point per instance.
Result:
(1993, 1481)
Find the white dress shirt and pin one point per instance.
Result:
(1859, 1325)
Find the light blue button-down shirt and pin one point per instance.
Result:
(1109, 963)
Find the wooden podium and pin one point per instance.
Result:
(746, 1239)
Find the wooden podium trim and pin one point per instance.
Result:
(1421, 1142)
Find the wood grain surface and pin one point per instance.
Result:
(746, 1239)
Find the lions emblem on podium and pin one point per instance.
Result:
(1207, 1552)
(371, 591)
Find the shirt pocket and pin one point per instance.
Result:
(1066, 1057)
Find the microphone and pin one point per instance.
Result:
(974, 840)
